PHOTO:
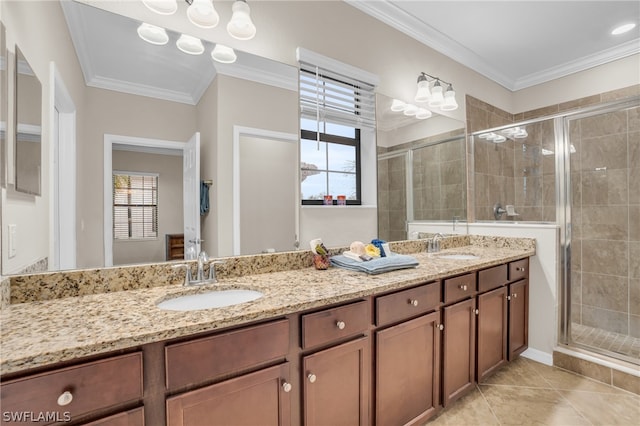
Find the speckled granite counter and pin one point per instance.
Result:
(39, 333)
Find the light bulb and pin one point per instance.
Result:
(397, 105)
(240, 26)
(449, 103)
(202, 14)
(189, 44)
(423, 113)
(152, 34)
(423, 94)
(223, 54)
(436, 95)
(162, 7)
(411, 110)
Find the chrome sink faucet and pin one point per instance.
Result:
(433, 245)
(203, 259)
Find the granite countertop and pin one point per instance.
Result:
(35, 334)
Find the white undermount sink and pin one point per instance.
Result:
(459, 256)
(208, 300)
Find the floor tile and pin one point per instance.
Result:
(470, 410)
(605, 409)
(566, 380)
(519, 373)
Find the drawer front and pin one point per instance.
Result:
(335, 323)
(491, 278)
(407, 303)
(519, 269)
(459, 288)
(130, 418)
(84, 388)
(204, 359)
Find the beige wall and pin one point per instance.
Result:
(170, 211)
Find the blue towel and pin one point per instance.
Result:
(204, 198)
(376, 266)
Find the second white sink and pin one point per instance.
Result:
(208, 300)
(459, 256)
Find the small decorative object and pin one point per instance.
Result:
(342, 200)
(328, 200)
(320, 254)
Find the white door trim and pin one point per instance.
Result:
(238, 132)
(62, 182)
(109, 141)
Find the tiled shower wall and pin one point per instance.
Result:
(392, 210)
(605, 177)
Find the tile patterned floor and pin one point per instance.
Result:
(607, 340)
(525, 392)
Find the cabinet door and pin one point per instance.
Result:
(336, 385)
(492, 332)
(407, 371)
(260, 398)
(459, 344)
(518, 318)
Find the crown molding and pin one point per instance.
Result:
(141, 90)
(285, 78)
(397, 18)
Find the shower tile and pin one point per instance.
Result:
(634, 330)
(576, 254)
(583, 367)
(528, 191)
(634, 296)
(621, 93)
(634, 184)
(527, 213)
(576, 313)
(617, 187)
(604, 124)
(626, 381)
(605, 319)
(579, 103)
(634, 223)
(634, 119)
(540, 112)
(604, 291)
(453, 172)
(609, 222)
(594, 188)
(576, 287)
(634, 259)
(549, 213)
(606, 409)
(549, 190)
(481, 190)
(608, 151)
(605, 257)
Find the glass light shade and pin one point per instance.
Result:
(397, 105)
(240, 26)
(202, 14)
(411, 110)
(162, 7)
(436, 95)
(520, 134)
(152, 34)
(623, 29)
(499, 139)
(423, 113)
(223, 54)
(423, 94)
(190, 45)
(449, 103)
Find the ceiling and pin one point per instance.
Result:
(517, 44)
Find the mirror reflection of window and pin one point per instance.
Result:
(28, 149)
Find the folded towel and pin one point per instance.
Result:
(376, 266)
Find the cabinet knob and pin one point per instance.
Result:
(341, 325)
(286, 387)
(521, 269)
(312, 378)
(65, 398)
(413, 302)
(441, 327)
(463, 287)
(477, 312)
(514, 295)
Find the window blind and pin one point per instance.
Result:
(135, 206)
(328, 96)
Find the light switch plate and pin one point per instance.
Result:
(12, 240)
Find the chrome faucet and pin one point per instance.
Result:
(433, 245)
(203, 259)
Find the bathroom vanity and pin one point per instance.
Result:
(321, 347)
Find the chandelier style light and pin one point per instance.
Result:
(202, 14)
(435, 96)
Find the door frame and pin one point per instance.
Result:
(136, 142)
(238, 133)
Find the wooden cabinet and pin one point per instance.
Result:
(331, 325)
(174, 246)
(408, 303)
(78, 391)
(260, 398)
(336, 385)
(133, 417)
(458, 350)
(518, 318)
(492, 332)
(407, 371)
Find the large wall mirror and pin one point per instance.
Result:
(422, 170)
(28, 136)
(4, 105)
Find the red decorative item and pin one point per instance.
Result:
(320, 262)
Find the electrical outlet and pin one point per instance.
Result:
(12, 240)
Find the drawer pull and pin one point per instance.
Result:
(463, 287)
(520, 269)
(65, 398)
(312, 378)
(286, 387)
(341, 325)
(413, 302)
(440, 327)
(514, 295)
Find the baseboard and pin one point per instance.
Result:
(539, 356)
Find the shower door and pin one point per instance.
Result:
(604, 223)
(393, 187)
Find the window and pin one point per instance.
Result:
(135, 206)
(333, 110)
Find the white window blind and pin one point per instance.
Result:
(327, 96)
(135, 206)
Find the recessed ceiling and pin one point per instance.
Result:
(517, 44)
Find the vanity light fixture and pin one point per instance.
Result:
(423, 114)
(189, 44)
(410, 110)
(152, 34)
(223, 54)
(621, 29)
(501, 136)
(434, 95)
(397, 105)
(203, 14)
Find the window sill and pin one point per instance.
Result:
(311, 206)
